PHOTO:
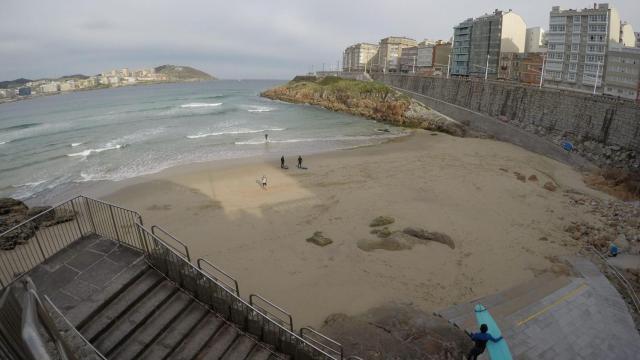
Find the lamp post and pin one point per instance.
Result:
(486, 69)
(544, 58)
(448, 66)
(595, 83)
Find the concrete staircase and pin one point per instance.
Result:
(145, 316)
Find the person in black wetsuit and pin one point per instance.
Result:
(282, 162)
(480, 339)
(299, 162)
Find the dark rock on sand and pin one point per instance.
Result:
(61, 215)
(397, 332)
(319, 239)
(382, 221)
(382, 233)
(533, 177)
(12, 213)
(431, 236)
(550, 186)
(37, 210)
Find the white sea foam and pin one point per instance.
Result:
(31, 184)
(2, 142)
(199, 105)
(232, 132)
(334, 138)
(88, 152)
(76, 144)
(259, 109)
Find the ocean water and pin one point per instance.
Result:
(49, 144)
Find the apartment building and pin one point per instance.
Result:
(627, 36)
(358, 57)
(531, 67)
(578, 41)
(622, 77)
(478, 43)
(535, 41)
(461, 48)
(441, 56)
(389, 52)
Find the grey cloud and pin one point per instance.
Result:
(230, 39)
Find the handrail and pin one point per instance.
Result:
(235, 282)
(313, 331)
(186, 249)
(619, 276)
(87, 342)
(239, 299)
(283, 311)
(35, 313)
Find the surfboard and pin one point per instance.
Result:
(499, 350)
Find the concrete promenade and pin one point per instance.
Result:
(584, 317)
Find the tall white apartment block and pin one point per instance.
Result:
(578, 42)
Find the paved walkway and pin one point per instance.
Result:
(81, 270)
(584, 319)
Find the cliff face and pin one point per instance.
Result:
(367, 99)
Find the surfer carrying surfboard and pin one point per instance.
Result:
(480, 339)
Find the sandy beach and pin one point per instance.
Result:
(505, 230)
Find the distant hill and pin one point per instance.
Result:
(75, 76)
(13, 83)
(183, 73)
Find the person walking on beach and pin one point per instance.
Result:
(480, 339)
(264, 182)
(282, 162)
(266, 137)
(299, 162)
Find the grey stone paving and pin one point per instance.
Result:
(585, 319)
(86, 267)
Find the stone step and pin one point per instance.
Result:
(134, 318)
(176, 333)
(87, 310)
(240, 348)
(198, 338)
(219, 343)
(145, 336)
(118, 306)
(259, 353)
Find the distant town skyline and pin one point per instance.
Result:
(247, 39)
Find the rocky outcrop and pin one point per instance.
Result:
(381, 221)
(367, 99)
(395, 331)
(12, 213)
(319, 239)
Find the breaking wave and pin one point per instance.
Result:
(98, 150)
(199, 105)
(76, 144)
(334, 138)
(232, 132)
(259, 109)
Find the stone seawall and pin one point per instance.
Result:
(605, 130)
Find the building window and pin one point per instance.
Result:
(573, 67)
(556, 28)
(576, 28)
(571, 76)
(575, 38)
(576, 19)
(575, 47)
(600, 28)
(574, 57)
(598, 18)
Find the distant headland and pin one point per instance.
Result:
(22, 88)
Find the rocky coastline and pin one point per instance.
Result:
(371, 100)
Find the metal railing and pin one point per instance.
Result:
(235, 287)
(20, 336)
(225, 301)
(322, 340)
(155, 228)
(53, 230)
(625, 283)
(289, 319)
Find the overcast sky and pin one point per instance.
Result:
(229, 39)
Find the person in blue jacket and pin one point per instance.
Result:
(480, 339)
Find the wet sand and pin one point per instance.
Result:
(462, 187)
